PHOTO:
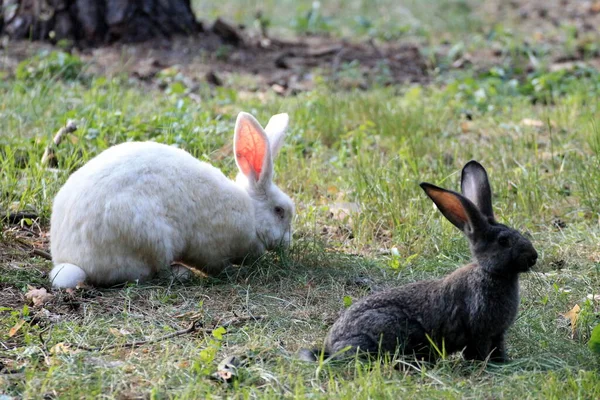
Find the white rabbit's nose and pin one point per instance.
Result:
(286, 239)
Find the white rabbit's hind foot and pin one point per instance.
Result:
(181, 272)
(67, 276)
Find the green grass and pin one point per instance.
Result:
(350, 150)
(383, 19)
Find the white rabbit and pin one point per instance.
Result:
(137, 207)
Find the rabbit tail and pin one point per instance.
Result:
(67, 275)
(312, 355)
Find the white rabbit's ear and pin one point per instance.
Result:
(251, 148)
(275, 130)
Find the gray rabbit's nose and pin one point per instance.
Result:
(532, 260)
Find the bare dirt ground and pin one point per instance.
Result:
(285, 66)
(566, 30)
(543, 19)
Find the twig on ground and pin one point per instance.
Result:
(6, 371)
(43, 341)
(238, 320)
(335, 64)
(16, 217)
(41, 253)
(49, 152)
(34, 251)
(195, 326)
(376, 48)
(325, 51)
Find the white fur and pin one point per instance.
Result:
(137, 207)
(67, 276)
(275, 130)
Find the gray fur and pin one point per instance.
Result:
(469, 310)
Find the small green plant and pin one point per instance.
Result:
(497, 85)
(209, 353)
(312, 21)
(347, 301)
(398, 262)
(50, 65)
(594, 342)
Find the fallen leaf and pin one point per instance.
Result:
(572, 316)
(38, 297)
(466, 126)
(129, 368)
(332, 189)
(100, 362)
(13, 331)
(61, 348)
(227, 370)
(82, 285)
(532, 122)
(593, 297)
(361, 282)
(119, 332)
(73, 139)
(563, 66)
(191, 315)
(223, 375)
(343, 210)
(114, 331)
(595, 257)
(278, 89)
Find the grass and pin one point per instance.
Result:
(383, 19)
(363, 153)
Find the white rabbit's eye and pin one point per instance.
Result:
(503, 241)
(279, 211)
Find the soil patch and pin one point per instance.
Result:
(213, 56)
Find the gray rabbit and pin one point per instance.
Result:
(471, 309)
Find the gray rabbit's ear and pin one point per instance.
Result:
(475, 186)
(456, 208)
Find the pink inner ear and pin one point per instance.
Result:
(250, 149)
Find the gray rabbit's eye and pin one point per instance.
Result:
(503, 241)
(279, 211)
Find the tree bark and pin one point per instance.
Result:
(94, 22)
(1, 15)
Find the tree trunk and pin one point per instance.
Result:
(94, 22)
(1, 15)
